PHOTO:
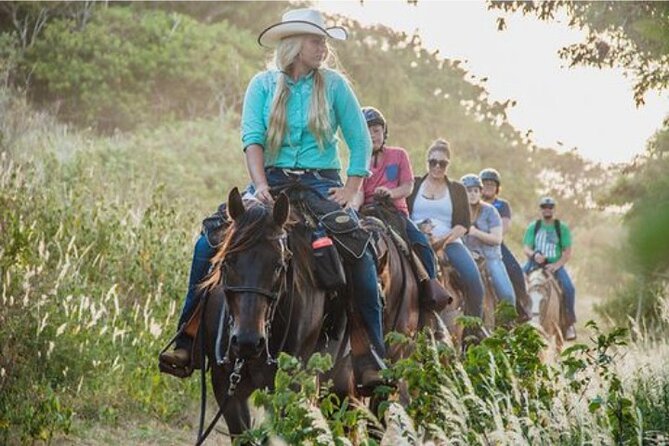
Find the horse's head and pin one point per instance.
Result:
(537, 288)
(253, 262)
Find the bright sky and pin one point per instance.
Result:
(587, 108)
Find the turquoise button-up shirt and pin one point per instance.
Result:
(300, 149)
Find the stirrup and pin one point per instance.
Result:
(173, 369)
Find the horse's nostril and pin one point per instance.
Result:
(260, 343)
(233, 340)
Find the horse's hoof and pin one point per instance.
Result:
(570, 333)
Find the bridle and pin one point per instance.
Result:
(273, 295)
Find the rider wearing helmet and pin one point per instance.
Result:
(492, 180)
(485, 237)
(392, 177)
(547, 243)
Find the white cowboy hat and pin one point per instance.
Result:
(300, 21)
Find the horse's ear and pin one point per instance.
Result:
(281, 209)
(235, 205)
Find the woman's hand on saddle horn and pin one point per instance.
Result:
(263, 194)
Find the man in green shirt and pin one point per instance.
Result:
(547, 243)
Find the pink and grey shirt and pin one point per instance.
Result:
(394, 169)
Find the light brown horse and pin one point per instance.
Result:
(547, 305)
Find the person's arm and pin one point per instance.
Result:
(255, 165)
(354, 129)
(506, 225)
(455, 233)
(494, 237)
(505, 213)
(536, 256)
(401, 191)
(528, 246)
(253, 136)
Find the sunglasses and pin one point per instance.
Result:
(441, 163)
(546, 206)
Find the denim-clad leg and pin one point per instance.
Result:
(465, 265)
(367, 300)
(199, 268)
(515, 273)
(567, 285)
(422, 246)
(501, 281)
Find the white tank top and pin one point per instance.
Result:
(439, 212)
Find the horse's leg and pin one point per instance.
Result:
(237, 415)
(235, 407)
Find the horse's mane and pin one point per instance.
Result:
(253, 227)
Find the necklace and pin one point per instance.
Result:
(433, 191)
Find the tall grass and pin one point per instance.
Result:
(606, 392)
(95, 237)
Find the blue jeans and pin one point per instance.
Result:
(321, 181)
(419, 241)
(464, 264)
(500, 280)
(515, 273)
(199, 268)
(567, 286)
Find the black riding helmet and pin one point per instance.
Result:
(374, 117)
(490, 174)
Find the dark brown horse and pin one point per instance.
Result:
(262, 300)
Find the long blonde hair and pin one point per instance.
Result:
(285, 55)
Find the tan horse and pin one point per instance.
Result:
(547, 307)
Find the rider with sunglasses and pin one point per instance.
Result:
(547, 243)
(442, 204)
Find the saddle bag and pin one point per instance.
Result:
(342, 225)
(328, 266)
